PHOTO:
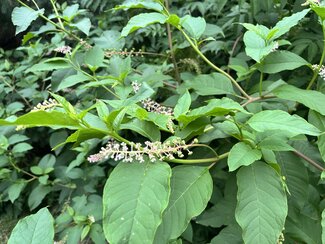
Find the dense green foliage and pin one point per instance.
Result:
(164, 122)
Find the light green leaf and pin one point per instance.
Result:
(21, 147)
(37, 195)
(70, 12)
(319, 10)
(144, 128)
(49, 64)
(215, 107)
(242, 155)
(195, 26)
(35, 228)
(71, 81)
(142, 20)
(281, 60)
(291, 125)
(94, 57)
(212, 84)
(15, 189)
(147, 4)
(83, 25)
(323, 225)
(183, 104)
(321, 145)
(22, 17)
(284, 25)
(314, 100)
(262, 204)
(296, 177)
(135, 196)
(191, 189)
(256, 47)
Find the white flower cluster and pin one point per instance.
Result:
(64, 50)
(136, 152)
(45, 105)
(309, 2)
(321, 70)
(151, 105)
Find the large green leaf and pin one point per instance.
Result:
(22, 17)
(191, 189)
(142, 20)
(144, 128)
(229, 235)
(262, 204)
(195, 26)
(44, 118)
(296, 176)
(135, 196)
(215, 107)
(291, 125)
(33, 229)
(212, 84)
(242, 154)
(50, 64)
(314, 100)
(282, 60)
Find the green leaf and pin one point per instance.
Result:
(35, 228)
(281, 60)
(140, 4)
(71, 81)
(83, 25)
(144, 128)
(262, 204)
(291, 125)
(319, 10)
(195, 26)
(314, 100)
(22, 17)
(94, 57)
(215, 107)
(37, 195)
(15, 189)
(183, 104)
(242, 155)
(229, 235)
(284, 25)
(21, 147)
(321, 145)
(70, 12)
(256, 47)
(135, 195)
(296, 177)
(44, 118)
(49, 64)
(142, 20)
(191, 189)
(212, 84)
(110, 40)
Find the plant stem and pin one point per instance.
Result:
(171, 48)
(309, 160)
(194, 46)
(57, 14)
(198, 161)
(312, 81)
(261, 84)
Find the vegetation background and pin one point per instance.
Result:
(260, 148)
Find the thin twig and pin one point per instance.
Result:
(309, 160)
(170, 43)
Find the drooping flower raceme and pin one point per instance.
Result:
(136, 152)
(321, 70)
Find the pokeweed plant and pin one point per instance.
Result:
(170, 158)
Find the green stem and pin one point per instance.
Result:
(198, 161)
(57, 14)
(261, 85)
(313, 79)
(194, 46)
